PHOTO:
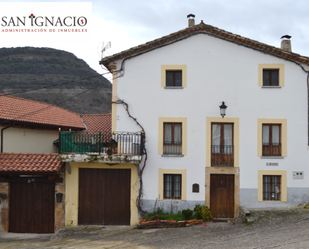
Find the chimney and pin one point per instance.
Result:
(191, 20)
(286, 45)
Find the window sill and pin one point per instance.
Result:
(272, 201)
(271, 86)
(272, 157)
(172, 199)
(173, 87)
(172, 155)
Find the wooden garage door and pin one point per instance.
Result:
(104, 196)
(32, 207)
(222, 196)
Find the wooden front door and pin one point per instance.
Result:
(32, 207)
(104, 196)
(222, 196)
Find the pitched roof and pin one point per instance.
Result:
(97, 122)
(29, 163)
(210, 30)
(30, 111)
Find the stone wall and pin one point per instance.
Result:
(4, 206)
(59, 207)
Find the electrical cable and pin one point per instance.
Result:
(64, 83)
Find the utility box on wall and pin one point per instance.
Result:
(298, 174)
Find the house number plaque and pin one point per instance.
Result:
(271, 164)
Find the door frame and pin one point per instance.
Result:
(72, 193)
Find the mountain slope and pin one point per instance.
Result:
(58, 75)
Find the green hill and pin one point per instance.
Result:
(58, 76)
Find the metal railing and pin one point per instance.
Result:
(170, 148)
(271, 149)
(222, 156)
(101, 143)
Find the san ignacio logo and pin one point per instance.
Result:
(44, 21)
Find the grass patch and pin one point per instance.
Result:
(248, 223)
(166, 216)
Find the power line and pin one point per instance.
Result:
(64, 83)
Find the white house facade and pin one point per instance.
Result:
(255, 156)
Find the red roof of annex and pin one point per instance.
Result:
(97, 123)
(30, 111)
(30, 163)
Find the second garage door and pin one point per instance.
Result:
(32, 206)
(104, 196)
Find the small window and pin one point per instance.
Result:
(270, 77)
(195, 188)
(172, 140)
(174, 78)
(271, 140)
(271, 188)
(172, 186)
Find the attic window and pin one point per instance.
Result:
(271, 77)
(174, 78)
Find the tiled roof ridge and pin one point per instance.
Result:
(95, 114)
(220, 33)
(36, 101)
(28, 154)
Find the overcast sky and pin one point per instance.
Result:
(130, 23)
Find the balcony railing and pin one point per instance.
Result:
(101, 143)
(171, 148)
(271, 149)
(222, 156)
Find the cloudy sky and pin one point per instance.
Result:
(130, 23)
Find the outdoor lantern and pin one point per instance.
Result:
(222, 109)
(59, 197)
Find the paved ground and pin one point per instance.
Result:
(270, 229)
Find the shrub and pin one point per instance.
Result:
(202, 212)
(187, 213)
(198, 212)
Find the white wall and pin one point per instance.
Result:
(216, 71)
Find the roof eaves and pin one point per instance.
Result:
(219, 33)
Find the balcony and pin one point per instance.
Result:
(172, 148)
(222, 156)
(111, 148)
(271, 149)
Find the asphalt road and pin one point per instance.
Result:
(271, 229)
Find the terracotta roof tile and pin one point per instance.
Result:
(29, 163)
(30, 111)
(207, 29)
(97, 123)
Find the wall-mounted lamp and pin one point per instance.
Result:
(222, 109)
(59, 197)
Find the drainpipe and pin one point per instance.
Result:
(2, 136)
